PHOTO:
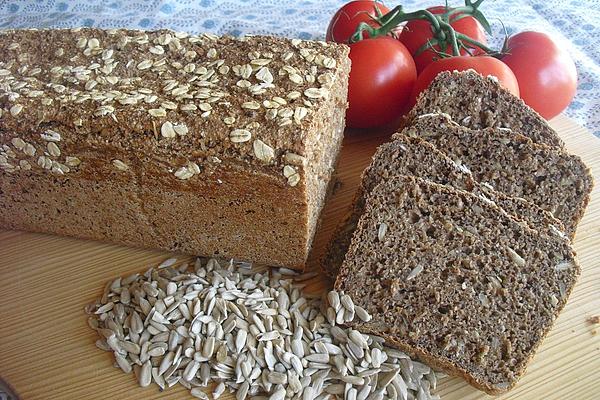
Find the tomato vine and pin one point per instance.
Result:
(444, 35)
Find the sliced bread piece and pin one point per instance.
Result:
(455, 280)
(413, 156)
(478, 102)
(553, 179)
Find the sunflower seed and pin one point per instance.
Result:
(180, 129)
(199, 393)
(299, 114)
(333, 298)
(51, 136)
(414, 272)
(240, 340)
(329, 62)
(296, 78)
(353, 380)
(252, 332)
(318, 357)
(358, 338)
(347, 302)
(156, 351)
(190, 370)
(332, 349)
(218, 391)
(120, 165)
(309, 393)
(382, 231)
(267, 336)
(251, 105)
(145, 374)
(123, 363)
(209, 347)
(362, 313)
(278, 395)
(517, 259)
(277, 378)
(53, 149)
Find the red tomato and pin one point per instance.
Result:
(381, 80)
(416, 33)
(485, 65)
(546, 73)
(346, 19)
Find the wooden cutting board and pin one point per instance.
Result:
(47, 350)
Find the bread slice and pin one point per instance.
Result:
(455, 280)
(413, 156)
(478, 102)
(553, 179)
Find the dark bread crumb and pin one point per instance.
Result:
(455, 280)
(413, 156)
(511, 163)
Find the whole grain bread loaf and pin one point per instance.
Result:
(455, 280)
(553, 179)
(199, 144)
(416, 157)
(479, 102)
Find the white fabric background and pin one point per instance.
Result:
(574, 23)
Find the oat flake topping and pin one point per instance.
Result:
(249, 98)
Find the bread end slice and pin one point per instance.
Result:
(479, 102)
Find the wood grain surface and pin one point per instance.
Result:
(47, 350)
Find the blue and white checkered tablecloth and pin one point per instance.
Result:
(574, 23)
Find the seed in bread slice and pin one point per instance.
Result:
(455, 280)
(553, 179)
(413, 156)
(479, 102)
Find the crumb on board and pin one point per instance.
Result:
(337, 185)
(594, 319)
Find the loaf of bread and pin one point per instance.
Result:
(416, 157)
(551, 178)
(478, 102)
(198, 144)
(454, 280)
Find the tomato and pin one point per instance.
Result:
(381, 80)
(546, 73)
(417, 32)
(346, 19)
(485, 65)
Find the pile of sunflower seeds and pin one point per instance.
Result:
(250, 332)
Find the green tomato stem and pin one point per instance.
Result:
(474, 42)
(444, 34)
